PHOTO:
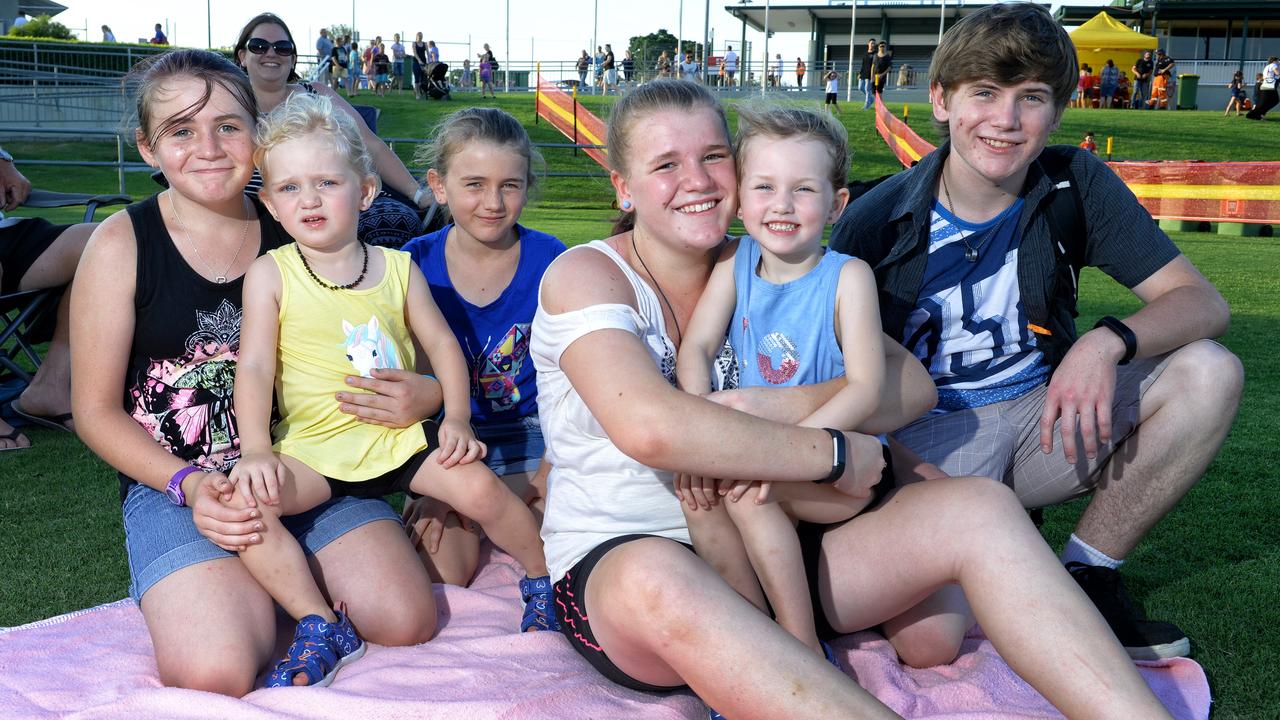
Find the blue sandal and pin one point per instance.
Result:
(319, 649)
(830, 654)
(538, 612)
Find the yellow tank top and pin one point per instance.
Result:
(326, 335)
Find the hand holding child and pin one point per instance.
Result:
(458, 443)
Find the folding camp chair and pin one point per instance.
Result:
(26, 317)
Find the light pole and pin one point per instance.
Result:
(595, 38)
(706, 40)
(506, 74)
(853, 22)
(764, 77)
(208, 19)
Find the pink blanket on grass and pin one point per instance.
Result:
(98, 663)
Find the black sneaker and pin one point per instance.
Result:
(1143, 639)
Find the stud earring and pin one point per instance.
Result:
(626, 204)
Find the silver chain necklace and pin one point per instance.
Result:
(244, 236)
(970, 251)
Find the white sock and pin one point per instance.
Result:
(1080, 551)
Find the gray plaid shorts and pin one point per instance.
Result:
(1002, 440)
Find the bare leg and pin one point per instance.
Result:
(49, 393)
(278, 563)
(221, 595)
(974, 531)
(774, 549)
(1186, 415)
(476, 492)
(455, 560)
(717, 541)
(648, 601)
(388, 595)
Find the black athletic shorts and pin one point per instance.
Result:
(811, 547)
(21, 244)
(391, 481)
(571, 591)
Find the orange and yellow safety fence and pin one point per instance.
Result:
(1241, 192)
(567, 115)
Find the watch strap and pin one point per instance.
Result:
(838, 455)
(1124, 333)
(174, 488)
(5, 156)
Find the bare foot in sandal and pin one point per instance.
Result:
(11, 438)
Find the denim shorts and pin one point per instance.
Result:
(161, 538)
(515, 446)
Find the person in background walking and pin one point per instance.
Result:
(419, 65)
(324, 49)
(1142, 80)
(833, 91)
(1109, 81)
(582, 66)
(865, 83)
(800, 74)
(107, 35)
(397, 60)
(628, 69)
(1268, 90)
(880, 67)
(1236, 86)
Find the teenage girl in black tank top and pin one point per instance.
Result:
(186, 338)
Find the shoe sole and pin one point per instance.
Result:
(1180, 648)
(348, 658)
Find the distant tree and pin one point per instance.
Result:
(42, 26)
(337, 31)
(647, 48)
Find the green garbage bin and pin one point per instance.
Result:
(1187, 87)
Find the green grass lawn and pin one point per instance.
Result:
(1213, 566)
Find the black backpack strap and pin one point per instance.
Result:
(1064, 213)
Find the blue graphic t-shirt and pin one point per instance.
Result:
(494, 338)
(969, 327)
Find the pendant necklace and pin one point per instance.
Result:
(217, 278)
(970, 251)
(656, 286)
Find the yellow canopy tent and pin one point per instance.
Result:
(1104, 38)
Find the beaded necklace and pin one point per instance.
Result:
(363, 269)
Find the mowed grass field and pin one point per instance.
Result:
(1213, 566)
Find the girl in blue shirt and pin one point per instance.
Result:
(483, 270)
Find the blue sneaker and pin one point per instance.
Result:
(319, 649)
(538, 611)
(830, 655)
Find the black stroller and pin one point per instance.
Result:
(435, 82)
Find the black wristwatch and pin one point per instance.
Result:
(838, 453)
(1124, 333)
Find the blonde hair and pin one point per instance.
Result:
(303, 114)
(762, 120)
(478, 124)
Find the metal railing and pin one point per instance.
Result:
(123, 166)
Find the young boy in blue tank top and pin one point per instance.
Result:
(796, 314)
(302, 333)
(483, 270)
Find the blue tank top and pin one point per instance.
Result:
(494, 338)
(785, 334)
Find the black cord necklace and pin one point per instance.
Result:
(970, 251)
(363, 269)
(656, 286)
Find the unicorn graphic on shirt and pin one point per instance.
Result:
(368, 347)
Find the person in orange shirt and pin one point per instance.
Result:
(1089, 144)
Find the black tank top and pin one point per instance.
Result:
(186, 339)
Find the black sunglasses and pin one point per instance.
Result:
(258, 46)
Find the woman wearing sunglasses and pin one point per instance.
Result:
(269, 56)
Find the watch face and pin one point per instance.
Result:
(175, 495)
